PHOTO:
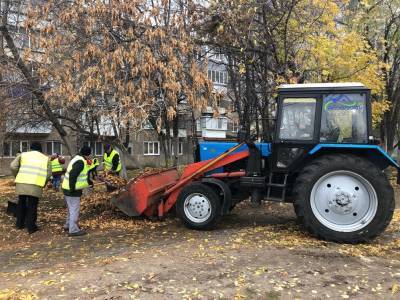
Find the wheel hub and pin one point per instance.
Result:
(197, 208)
(342, 202)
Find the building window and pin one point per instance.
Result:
(11, 148)
(218, 77)
(203, 122)
(151, 148)
(130, 149)
(6, 149)
(218, 57)
(99, 148)
(24, 146)
(180, 148)
(220, 123)
(96, 147)
(53, 147)
(235, 126)
(198, 125)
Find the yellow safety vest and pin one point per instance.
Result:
(108, 161)
(33, 168)
(95, 163)
(56, 166)
(82, 180)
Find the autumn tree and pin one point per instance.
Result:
(274, 42)
(379, 23)
(17, 74)
(116, 61)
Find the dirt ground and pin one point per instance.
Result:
(255, 253)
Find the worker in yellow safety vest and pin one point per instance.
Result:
(76, 179)
(111, 160)
(57, 170)
(93, 168)
(32, 170)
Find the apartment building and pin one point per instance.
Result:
(225, 124)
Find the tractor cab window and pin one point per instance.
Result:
(297, 119)
(344, 119)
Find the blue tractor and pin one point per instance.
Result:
(323, 159)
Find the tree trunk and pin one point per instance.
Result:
(167, 141)
(382, 133)
(164, 148)
(175, 139)
(390, 133)
(248, 100)
(122, 156)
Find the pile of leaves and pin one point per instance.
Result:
(112, 180)
(7, 188)
(99, 199)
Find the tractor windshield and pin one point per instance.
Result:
(297, 120)
(344, 118)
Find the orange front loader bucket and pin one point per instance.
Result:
(144, 193)
(156, 193)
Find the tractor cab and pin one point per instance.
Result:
(314, 114)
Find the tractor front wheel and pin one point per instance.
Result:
(198, 206)
(343, 198)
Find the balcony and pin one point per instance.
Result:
(212, 127)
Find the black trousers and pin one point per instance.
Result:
(27, 212)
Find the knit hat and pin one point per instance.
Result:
(85, 151)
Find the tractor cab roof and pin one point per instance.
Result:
(319, 87)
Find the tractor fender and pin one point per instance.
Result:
(224, 188)
(373, 153)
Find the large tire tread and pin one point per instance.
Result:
(325, 164)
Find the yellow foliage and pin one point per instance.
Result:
(378, 110)
(344, 57)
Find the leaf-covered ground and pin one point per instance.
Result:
(255, 253)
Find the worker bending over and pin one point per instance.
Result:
(93, 169)
(111, 160)
(57, 169)
(76, 179)
(32, 170)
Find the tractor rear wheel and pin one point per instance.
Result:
(198, 206)
(343, 198)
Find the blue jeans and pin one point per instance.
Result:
(56, 181)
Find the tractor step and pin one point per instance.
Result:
(276, 186)
(253, 181)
